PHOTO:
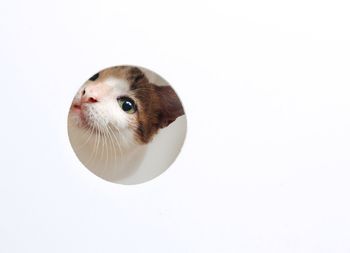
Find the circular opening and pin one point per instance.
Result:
(126, 124)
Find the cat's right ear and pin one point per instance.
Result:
(170, 106)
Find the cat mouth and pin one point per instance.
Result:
(83, 121)
(76, 107)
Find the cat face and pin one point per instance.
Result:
(121, 103)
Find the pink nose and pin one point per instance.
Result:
(87, 97)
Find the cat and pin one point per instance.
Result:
(115, 115)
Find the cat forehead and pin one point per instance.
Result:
(123, 78)
(117, 83)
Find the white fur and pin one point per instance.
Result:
(103, 155)
(119, 85)
(105, 139)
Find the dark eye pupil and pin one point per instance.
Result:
(127, 106)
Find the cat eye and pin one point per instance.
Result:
(127, 104)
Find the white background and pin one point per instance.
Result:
(265, 166)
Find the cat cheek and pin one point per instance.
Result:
(121, 121)
(132, 124)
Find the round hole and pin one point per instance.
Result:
(126, 124)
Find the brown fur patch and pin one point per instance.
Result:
(157, 106)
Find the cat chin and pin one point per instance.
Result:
(77, 118)
(82, 130)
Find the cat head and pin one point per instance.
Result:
(121, 102)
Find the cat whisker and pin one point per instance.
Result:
(88, 131)
(77, 138)
(98, 142)
(117, 141)
(105, 147)
(113, 140)
(112, 143)
(102, 128)
(94, 145)
(119, 133)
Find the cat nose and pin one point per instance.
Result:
(87, 97)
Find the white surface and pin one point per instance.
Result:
(265, 165)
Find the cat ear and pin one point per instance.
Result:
(170, 106)
(135, 77)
